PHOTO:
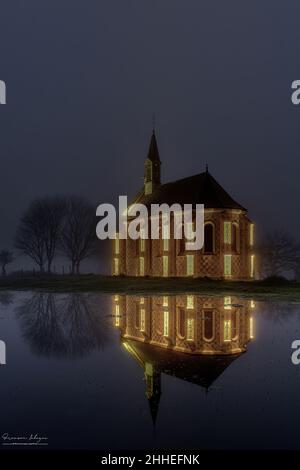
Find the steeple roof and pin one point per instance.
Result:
(153, 154)
(154, 406)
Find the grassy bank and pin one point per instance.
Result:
(276, 289)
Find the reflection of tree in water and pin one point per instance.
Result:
(279, 312)
(63, 326)
(6, 298)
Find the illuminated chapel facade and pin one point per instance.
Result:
(228, 251)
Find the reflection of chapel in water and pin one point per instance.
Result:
(191, 337)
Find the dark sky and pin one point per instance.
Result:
(84, 77)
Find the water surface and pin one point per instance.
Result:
(129, 372)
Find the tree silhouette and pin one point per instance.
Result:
(6, 257)
(278, 253)
(30, 237)
(54, 210)
(78, 238)
(39, 231)
(59, 325)
(57, 224)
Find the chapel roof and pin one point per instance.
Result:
(197, 189)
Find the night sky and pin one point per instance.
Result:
(84, 77)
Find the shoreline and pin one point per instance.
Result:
(265, 289)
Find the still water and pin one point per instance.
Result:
(129, 372)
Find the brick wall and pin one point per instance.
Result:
(205, 265)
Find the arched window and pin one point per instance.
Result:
(234, 325)
(235, 238)
(137, 317)
(136, 247)
(208, 325)
(181, 323)
(209, 238)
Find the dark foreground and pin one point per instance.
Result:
(82, 381)
(266, 289)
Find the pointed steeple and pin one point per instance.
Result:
(152, 166)
(153, 389)
(154, 406)
(153, 154)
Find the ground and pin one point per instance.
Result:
(264, 290)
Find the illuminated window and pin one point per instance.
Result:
(251, 327)
(227, 303)
(148, 368)
(116, 298)
(148, 174)
(189, 265)
(142, 300)
(142, 266)
(252, 304)
(117, 317)
(227, 232)
(165, 266)
(166, 323)
(137, 317)
(227, 265)
(234, 325)
(227, 330)
(117, 245)
(208, 325)
(190, 302)
(166, 236)
(251, 234)
(252, 265)
(149, 379)
(142, 319)
(142, 240)
(165, 301)
(209, 238)
(190, 329)
(116, 266)
(181, 322)
(235, 238)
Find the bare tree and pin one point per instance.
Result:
(54, 210)
(6, 257)
(78, 237)
(30, 237)
(52, 222)
(68, 326)
(39, 231)
(278, 253)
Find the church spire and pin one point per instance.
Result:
(153, 123)
(152, 166)
(153, 389)
(153, 153)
